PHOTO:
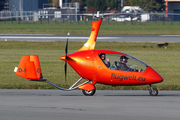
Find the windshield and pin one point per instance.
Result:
(123, 63)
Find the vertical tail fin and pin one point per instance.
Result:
(29, 67)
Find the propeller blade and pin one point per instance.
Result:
(65, 66)
(65, 70)
(66, 49)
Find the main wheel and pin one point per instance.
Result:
(153, 92)
(89, 93)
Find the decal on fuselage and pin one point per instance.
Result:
(123, 77)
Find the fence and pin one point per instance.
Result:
(56, 16)
(17, 15)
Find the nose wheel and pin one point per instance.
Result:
(153, 91)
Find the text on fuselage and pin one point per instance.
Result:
(123, 77)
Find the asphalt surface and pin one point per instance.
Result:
(83, 38)
(73, 105)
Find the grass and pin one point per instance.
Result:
(83, 28)
(164, 61)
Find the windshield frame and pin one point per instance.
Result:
(137, 60)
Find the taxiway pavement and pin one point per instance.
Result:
(26, 104)
(83, 38)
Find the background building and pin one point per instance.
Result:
(21, 5)
(64, 3)
(4, 5)
(173, 6)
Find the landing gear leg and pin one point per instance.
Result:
(153, 91)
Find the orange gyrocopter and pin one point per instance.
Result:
(96, 66)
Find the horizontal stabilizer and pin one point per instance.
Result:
(29, 67)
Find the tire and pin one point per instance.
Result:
(153, 92)
(89, 93)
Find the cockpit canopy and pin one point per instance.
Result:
(115, 60)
